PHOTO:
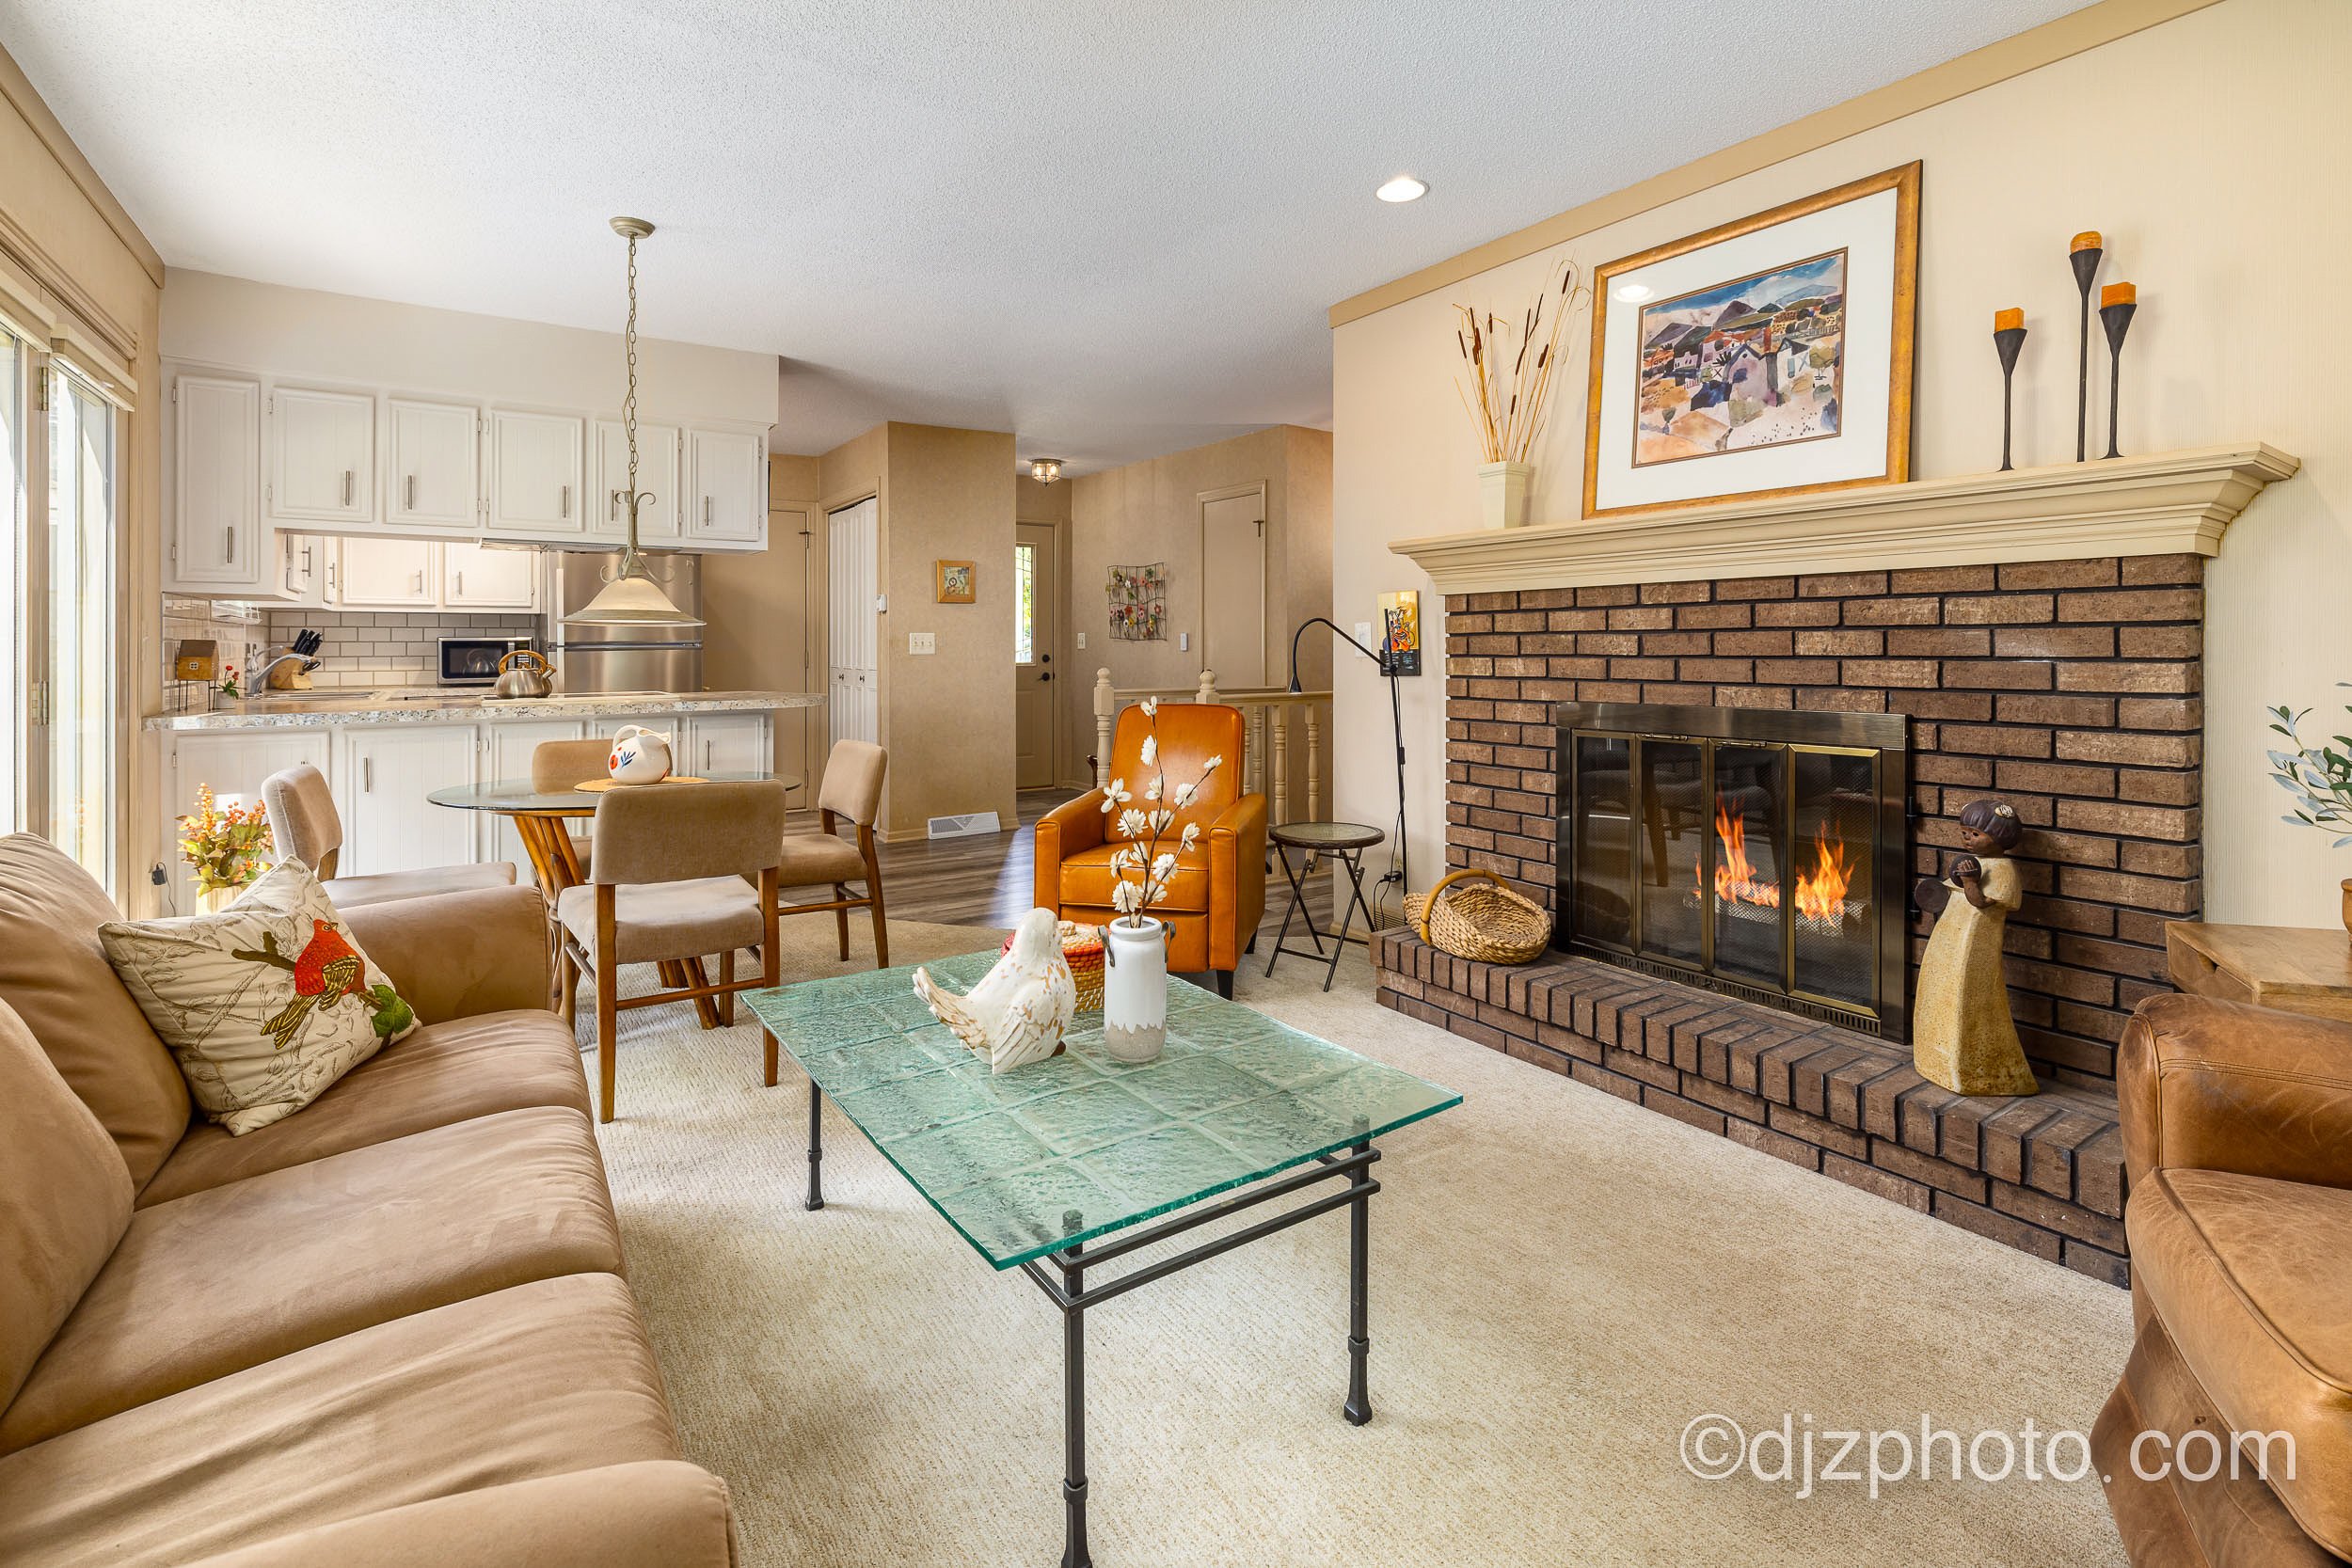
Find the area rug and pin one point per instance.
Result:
(1561, 1285)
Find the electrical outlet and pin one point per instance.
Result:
(922, 642)
(1082, 642)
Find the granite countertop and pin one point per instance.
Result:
(428, 706)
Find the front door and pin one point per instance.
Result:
(1036, 596)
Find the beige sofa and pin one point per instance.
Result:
(389, 1329)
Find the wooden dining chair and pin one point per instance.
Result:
(667, 886)
(307, 828)
(851, 792)
(561, 765)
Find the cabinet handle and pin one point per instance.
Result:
(419, 582)
(230, 534)
(347, 486)
(705, 512)
(410, 504)
(566, 510)
(367, 775)
(461, 585)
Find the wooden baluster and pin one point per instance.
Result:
(1207, 693)
(1279, 716)
(1106, 709)
(1314, 763)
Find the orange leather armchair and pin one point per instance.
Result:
(2237, 1138)
(1217, 894)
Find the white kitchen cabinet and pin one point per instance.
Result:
(385, 774)
(302, 561)
(234, 762)
(535, 473)
(476, 576)
(656, 475)
(727, 494)
(432, 476)
(217, 538)
(322, 454)
(507, 750)
(386, 574)
(724, 743)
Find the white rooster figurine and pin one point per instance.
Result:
(1017, 1012)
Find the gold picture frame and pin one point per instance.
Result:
(954, 581)
(1630, 386)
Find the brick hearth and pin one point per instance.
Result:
(2043, 1173)
(2071, 688)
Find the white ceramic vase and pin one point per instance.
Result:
(1134, 989)
(639, 755)
(1503, 494)
(214, 899)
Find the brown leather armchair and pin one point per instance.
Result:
(2237, 1138)
(1217, 894)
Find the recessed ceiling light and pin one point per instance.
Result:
(1403, 188)
(1631, 294)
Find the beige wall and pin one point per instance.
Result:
(2208, 150)
(1150, 511)
(233, 320)
(66, 240)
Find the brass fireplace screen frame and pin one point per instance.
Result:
(1882, 737)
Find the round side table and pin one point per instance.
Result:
(1344, 841)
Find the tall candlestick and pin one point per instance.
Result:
(2117, 306)
(2008, 335)
(2083, 255)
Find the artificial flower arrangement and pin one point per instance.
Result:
(223, 848)
(1151, 867)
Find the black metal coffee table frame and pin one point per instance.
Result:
(1074, 1296)
(1349, 854)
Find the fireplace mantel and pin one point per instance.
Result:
(2173, 503)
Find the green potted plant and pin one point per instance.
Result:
(2320, 779)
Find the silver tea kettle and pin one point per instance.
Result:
(518, 678)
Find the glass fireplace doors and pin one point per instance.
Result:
(1760, 854)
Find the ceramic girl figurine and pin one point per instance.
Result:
(1962, 1037)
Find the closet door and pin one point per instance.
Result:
(856, 678)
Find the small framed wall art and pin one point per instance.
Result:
(955, 581)
(1400, 614)
(1767, 356)
(1138, 603)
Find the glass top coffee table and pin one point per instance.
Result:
(1035, 1166)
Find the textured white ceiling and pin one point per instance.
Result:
(1113, 228)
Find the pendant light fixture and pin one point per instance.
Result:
(632, 599)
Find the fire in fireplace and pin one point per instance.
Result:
(1756, 852)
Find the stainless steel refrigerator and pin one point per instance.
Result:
(624, 658)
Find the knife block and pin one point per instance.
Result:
(289, 677)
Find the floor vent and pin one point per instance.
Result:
(970, 825)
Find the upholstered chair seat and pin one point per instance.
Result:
(307, 828)
(667, 920)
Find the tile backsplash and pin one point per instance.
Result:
(235, 631)
(390, 648)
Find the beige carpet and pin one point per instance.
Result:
(1560, 1283)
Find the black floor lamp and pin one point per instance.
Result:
(1387, 662)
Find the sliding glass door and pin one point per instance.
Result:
(58, 499)
(79, 625)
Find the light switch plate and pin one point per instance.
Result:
(1082, 642)
(922, 642)
(1363, 633)
(1184, 642)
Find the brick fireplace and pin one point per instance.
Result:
(2069, 687)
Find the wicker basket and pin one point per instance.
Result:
(1082, 949)
(1487, 922)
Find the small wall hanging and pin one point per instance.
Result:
(954, 579)
(1400, 615)
(1139, 602)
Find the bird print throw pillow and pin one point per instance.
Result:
(264, 1004)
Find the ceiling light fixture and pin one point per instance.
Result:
(1045, 469)
(1403, 188)
(1631, 294)
(631, 598)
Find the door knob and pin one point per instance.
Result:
(1047, 677)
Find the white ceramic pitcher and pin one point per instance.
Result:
(639, 755)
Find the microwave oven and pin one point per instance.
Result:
(475, 660)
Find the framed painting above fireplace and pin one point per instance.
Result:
(1770, 356)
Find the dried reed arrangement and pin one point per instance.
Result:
(1510, 407)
